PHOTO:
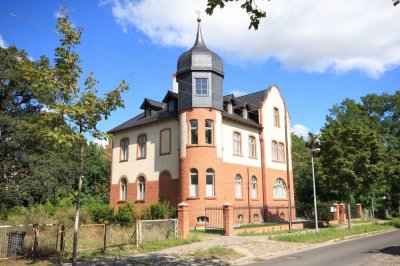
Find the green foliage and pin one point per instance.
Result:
(160, 211)
(127, 213)
(100, 213)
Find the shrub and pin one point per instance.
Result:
(160, 211)
(127, 213)
(100, 213)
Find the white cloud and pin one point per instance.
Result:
(238, 93)
(2, 42)
(300, 130)
(101, 142)
(306, 35)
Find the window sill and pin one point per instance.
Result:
(282, 162)
(254, 158)
(141, 158)
(122, 201)
(255, 199)
(280, 199)
(200, 145)
(238, 155)
(140, 201)
(241, 199)
(122, 161)
(168, 153)
(193, 198)
(210, 198)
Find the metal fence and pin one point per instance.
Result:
(157, 230)
(269, 214)
(47, 239)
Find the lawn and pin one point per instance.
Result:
(331, 233)
(218, 252)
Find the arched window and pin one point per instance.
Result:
(238, 187)
(210, 183)
(276, 117)
(236, 144)
(141, 188)
(193, 132)
(256, 217)
(194, 183)
(240, 218)
(253, 187)
(279, 189)
(274, 151)
(124, 187)
(209, 131)
(202, 219)
(281, 152)
(252, 147)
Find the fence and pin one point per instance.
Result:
(268, 214)
(34, 240)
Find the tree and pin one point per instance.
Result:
(251, 8)
(351, 154)
(81, 110)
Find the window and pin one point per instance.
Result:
(238, 187)
(256, 217)
(236, 144)
(281, 152)
(202, 219)
(252, 147)
(141, 188)
(253, 187)
(209, 131)
(124, 186)
(147, 112)
(124, 149)
(165, 141)
(274, 151)
(276, 117)
(240, 218)
(245, 113)
(193, 132)
(201, 86)
(194, 183)
(230, 108)
(171, 106)
(210, 183)
(279, 189)
(141, 153)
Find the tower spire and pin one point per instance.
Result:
(199, 37)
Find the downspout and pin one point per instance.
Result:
(287, 169)
(262, 152)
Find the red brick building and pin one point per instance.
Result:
(203, 148)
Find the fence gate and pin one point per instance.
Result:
(214, 218)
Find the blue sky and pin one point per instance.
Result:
(316, 53)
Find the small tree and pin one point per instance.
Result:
(74, 113)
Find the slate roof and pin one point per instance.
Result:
(253, 100)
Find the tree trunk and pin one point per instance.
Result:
(78, 205)
(348, 216)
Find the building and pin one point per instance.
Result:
(203, 148)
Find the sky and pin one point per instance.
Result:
(316, 52)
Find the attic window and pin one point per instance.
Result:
(230, 108)
(147, 112)
(171, 106)
(245, 113)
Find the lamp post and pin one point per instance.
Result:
(314, 152)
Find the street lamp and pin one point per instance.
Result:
(314, 152)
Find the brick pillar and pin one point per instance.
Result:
(183, 220)
(342, 214)
(359, 210)
(228, 219)
(336, 213)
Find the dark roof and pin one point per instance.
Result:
(252, 100)
(140, 120)
(169, 95)
(149, 102)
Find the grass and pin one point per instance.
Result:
(332, 233)
(271, 233)
(218, 252)
(257, 225)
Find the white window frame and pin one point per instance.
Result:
(201, 89)
(237, 149)
(252, 147)
(194, 128)
(141, 188)
(281, 151)
(209, 128)
(142, 149)
(124, 189)
(238, 187)
(124, 149)
(274, 151)
(253, 185)
(194, 187)
(280, 192)
(276, 117)
(210, 186)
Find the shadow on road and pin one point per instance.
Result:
(394, 250)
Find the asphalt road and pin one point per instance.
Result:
(381, 249)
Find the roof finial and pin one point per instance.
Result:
(199, 15)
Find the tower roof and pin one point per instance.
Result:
(199, 57)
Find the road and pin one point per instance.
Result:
(381, 249)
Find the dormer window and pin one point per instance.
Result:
(201, 86)
(230, 108)
(147, 112)
(171, 106)
(245, 113)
